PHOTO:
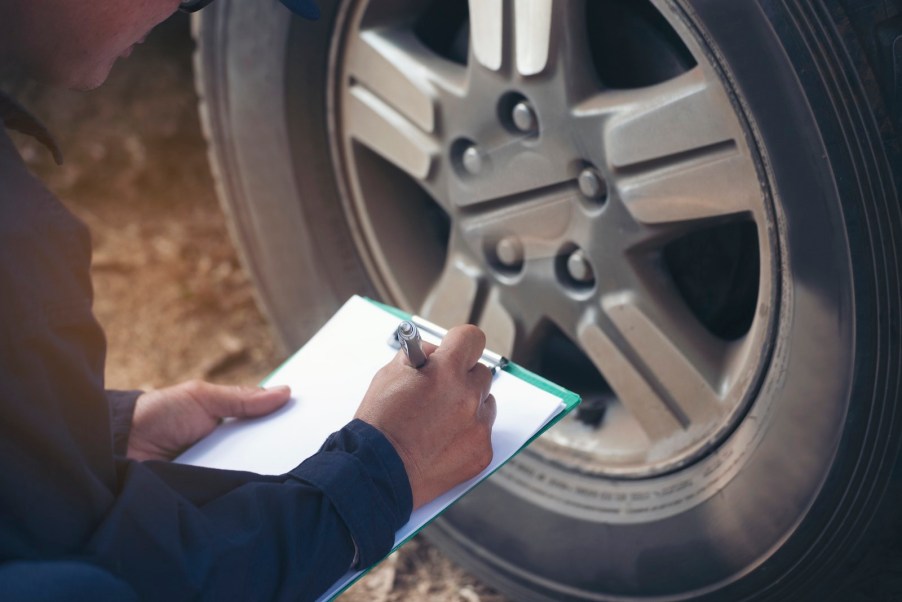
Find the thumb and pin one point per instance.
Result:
(241, 402)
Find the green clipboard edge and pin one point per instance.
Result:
(569, 398)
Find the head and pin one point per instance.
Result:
(74, 43)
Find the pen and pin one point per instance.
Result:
(409, 338)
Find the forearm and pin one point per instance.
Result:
(179, 532)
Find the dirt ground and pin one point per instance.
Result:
(170, 292)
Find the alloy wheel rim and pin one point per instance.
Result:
(508, 185)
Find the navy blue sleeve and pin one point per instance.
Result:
(122, 408)
(181, 533)
(70, 501)
(365, 480)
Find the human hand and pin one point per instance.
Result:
(439, 418)
(167, 421)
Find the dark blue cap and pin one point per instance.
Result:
(305, 8)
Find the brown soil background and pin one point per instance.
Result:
(170, 292)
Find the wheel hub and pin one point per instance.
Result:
(557, 213)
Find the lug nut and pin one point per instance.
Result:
(472, 160)
(524, 117)
(591, 184)
(579, 268)
(509, 252)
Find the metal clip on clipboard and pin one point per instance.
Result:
(433, 333)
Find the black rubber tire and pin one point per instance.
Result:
(814, 478)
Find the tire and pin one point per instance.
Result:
(800, 478)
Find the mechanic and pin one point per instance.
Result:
(90, 506)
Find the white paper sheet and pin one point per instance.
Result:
(328, 378)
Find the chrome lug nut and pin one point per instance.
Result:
(579, 268)
(591, 184)
(524, 117)
(509, 252)
(472, 160)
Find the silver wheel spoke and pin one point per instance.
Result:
(663, 365)
(673, 150)
(717, 183)
(530, 42)
(661, 123)
(631, 384)
(664, 342)
(395, 66)
(451, 299)
(487, 32)
(381, 128)
(499, 326)
(533, 27)
(396, 87)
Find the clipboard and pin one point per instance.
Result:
(325, 397)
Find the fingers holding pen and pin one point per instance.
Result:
(458, 357)
(438, 416)
(462, 348)
(403, 358)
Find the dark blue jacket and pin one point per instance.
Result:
(80, 521)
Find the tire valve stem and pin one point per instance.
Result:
(592, 410)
